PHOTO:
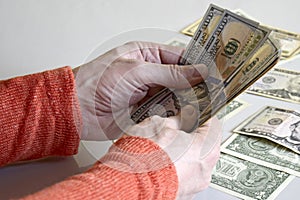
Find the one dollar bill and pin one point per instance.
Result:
(232, 108)
(263, 151)
(248, 180)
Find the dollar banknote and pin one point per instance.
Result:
(262, 151)
(232, 108)
(231, 43)
(205, 29)
(248, 180)
(236, 50)
(289, 41)
(192, 28)
(177, 42)
(257, 65)
(279, 84)
(279, 125)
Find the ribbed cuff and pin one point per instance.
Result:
(39, 116)
(137, 155)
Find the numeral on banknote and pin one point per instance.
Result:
(236, 50)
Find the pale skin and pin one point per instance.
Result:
(122, 78)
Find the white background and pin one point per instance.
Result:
(37, 35)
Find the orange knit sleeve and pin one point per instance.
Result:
(39, 116)
(133, 168)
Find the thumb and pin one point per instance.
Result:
(174, 76)
(186, 120)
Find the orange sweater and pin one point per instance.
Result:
(40, 117)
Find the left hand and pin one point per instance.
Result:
(109, 86)
(194, 154)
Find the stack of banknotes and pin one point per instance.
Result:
(262, 155)
(289, 41)
(236, 50)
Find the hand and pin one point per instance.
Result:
(193, 154)
(110, 86)
(195, 167)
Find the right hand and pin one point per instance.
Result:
(193, 154)
(110, 86)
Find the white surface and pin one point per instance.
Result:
(38, 35)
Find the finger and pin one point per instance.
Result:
(158, 53)
(148, 128)
(185, 120)
(139, 97)
(153, 52)
(209, 135)
(173, 76)
(188, 118)
(173, 141)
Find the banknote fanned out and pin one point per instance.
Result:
(279, 84)
(263, 151)
(289, 42)
(248, 180)
(279, 125)
(236, 50)
(203, 32)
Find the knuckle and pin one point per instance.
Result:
(131, 43)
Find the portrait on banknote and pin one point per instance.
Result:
(224, 42)
(294, 136)
(248, 180)
(276, 124)
(263, 151)
(291, 91)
